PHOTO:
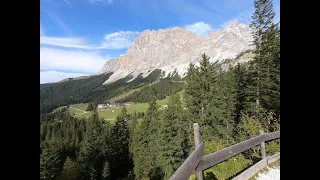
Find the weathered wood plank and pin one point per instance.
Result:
(252, 170)
(189, 165)
(273, 158)
(219, 156)
(197, 141)
(262, 146)
(272, 135)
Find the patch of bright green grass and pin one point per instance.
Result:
(111, 115)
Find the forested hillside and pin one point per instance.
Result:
(230, 106)
(165, 87)
(54, 95)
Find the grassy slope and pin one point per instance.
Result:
(108, 114)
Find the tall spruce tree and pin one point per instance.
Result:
(150, 139)
(70, 170)
(91, 156)
(264, 71)
(106, 171)
(50, 162)
(240, 75)
(120, 158)
(224, 105)
(136, 147)
(174, 137)
(90, 107)
(200, 93)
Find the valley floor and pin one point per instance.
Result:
(79, 110)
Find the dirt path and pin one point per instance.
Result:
(79, 110)
(272, 174)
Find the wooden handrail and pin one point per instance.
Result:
(197, 162)
(226, 153)
(189, 165)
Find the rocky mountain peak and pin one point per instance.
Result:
(172, 49)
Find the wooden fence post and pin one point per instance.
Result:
(197, 141)
(262, 146)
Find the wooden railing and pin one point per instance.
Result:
(196, 162)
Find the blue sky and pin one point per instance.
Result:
(78, 36)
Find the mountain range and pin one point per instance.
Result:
(172, 49)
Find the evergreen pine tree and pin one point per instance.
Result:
(106, 171)
(240, 75)
(224, 106)
(90, 107)
(192, 90)
(174, 137)
(200, 94)
(264, 71)
(50, 162)
(70, 170)
(150, 138)
(136, 148)
(120, 158)
(91, 152)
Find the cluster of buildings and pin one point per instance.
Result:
(102, 107)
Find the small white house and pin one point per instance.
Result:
(100, 106)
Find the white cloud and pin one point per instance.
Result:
(101, 1)
(60, 22)
(55, 76)
(70, 60)
(41, 30)
(119, 40)
(243, 18)
(116, 40)
(199, 28)
(65, 42)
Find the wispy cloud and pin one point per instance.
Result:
(65, 42)
(101, 2)
(41, 30)
(116, 40)
(119, 40)
(70, 60)
(191, 10)
(60, 22)
(199, 28)
(55, 76)
(68, 2)
(244, 17)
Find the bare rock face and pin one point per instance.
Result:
(172, 49)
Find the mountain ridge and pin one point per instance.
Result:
(172, 49)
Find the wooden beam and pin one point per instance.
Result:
(262, 146)
(189, 165)
(197, 141)
(219, 156)
(272, 135)
(252, 170)
(257, 167)
(273, 158)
